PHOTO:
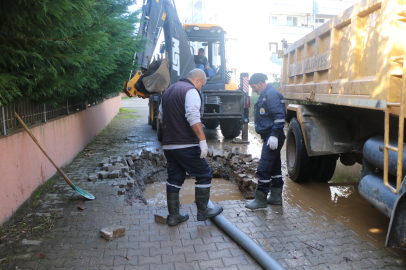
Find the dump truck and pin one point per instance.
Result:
(344, 85)
(225, 103)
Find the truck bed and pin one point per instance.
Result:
(355, 59)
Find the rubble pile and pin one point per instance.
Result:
(231, 164)
(139, 168)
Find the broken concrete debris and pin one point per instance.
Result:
(228, 163)
(112, 232)
(161, 217)
(92, 177)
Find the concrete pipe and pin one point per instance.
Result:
(256, 251)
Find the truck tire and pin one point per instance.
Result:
(230, 128)
(300, 165)
(211, 124)
(324, 168)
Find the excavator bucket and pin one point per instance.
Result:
(159, 80)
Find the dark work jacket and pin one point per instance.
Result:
(270, 113)
(175, 127)
(201, 61)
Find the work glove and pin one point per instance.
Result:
(272, 143)
(204, 148)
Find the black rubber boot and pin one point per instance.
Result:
(276, 196)
(174, 217)
(202, 198)
(259, 202)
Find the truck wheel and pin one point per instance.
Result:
(211, 124)
(230, 128)
(325, 168)
(300, 165)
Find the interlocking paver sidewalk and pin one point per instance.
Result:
(296, 238)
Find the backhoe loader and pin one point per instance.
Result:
(225, 103)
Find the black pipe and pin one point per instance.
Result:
(256, 251)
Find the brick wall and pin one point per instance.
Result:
(23, 167)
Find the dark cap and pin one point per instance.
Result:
(258, 77)
(201, 50)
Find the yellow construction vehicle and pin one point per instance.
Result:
(225, 103)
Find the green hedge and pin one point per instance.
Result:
(52, 50)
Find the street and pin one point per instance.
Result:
(319, 226)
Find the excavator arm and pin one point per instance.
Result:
(155, 75)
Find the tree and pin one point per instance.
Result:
(58, 49)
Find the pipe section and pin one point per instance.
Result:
(256, 251)
(374, 191)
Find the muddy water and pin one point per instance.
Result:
(221, 190)
(338, 200)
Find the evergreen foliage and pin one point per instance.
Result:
(52, 50)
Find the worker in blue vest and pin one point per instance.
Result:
(269, 116)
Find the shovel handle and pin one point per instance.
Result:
(42, 149)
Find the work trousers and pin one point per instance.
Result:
(180, 161)
(209, 72)
(269, 171)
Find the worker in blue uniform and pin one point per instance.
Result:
(269, 116)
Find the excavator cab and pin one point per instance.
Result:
(211, 38)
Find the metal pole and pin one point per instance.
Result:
(245, 132)
(45, 113)
(4, 121)
(256, 251)
(67, 106)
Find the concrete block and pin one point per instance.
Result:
(161, 217)
(104, 161)
(130, 161)
(112, 232)
(130, 184)
(227, 154)
(246, 182)
(125, 169)
(242, 176)
(106, 167)
(103, 174)
(210, 151)
(121, 191)
(92, 177)
(31, 242)
(114, 174)
(132, 173)
(217, 152)
(122, 184)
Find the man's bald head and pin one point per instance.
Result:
(197, 77)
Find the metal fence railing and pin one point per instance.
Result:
(34, 112)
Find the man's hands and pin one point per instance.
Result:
(207, 67)
(272, 143)
(204, 148)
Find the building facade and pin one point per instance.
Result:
(256, 28)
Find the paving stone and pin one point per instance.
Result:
(161, 217)
(112, 232)
(92, 177)
(103, 175)
(114, 174)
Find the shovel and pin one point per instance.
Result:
(85, 194)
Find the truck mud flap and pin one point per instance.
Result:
(396, 236)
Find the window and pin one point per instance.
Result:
(273, 20)
(292, 20)
(273, 47)
(320, 21)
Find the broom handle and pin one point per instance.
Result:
(42, 149)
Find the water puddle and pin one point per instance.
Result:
(221, 190)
